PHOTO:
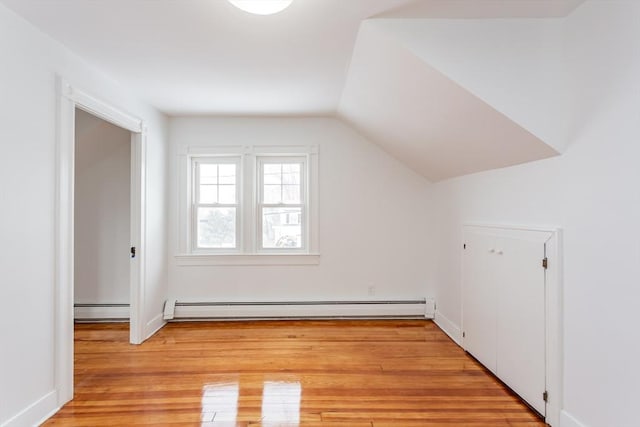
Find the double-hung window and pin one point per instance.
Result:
(282, 205)
(250, 201)
(216, 208)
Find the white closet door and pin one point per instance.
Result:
(479, 298)
(521, 315)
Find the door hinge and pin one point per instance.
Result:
(464, 246)
(133, 251)
(545, 396)
(463, 334)
(545, 263)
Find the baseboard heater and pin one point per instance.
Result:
(91, 313)
(393, 309)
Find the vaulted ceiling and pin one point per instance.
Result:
(450, 87)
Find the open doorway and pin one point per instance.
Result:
(102, 220)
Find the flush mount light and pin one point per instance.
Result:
(261, 7)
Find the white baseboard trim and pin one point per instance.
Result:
(299, 310)
(101, 312)
(448, 327)
(153, 326)
(568, 420)
(36, 413)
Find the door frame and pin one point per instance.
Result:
(554, 355)
(68, 99)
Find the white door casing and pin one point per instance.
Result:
(70, 98)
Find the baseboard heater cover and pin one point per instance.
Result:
(90, 313)
(241, 310)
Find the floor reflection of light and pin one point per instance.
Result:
(220, 402)
(281, 403)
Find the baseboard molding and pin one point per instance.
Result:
(299, 310)
(153, 326)
(568, 420)
(448, 327)
(101, 312)
(36, 413)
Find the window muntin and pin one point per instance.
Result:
(216, 203)
(282, 204)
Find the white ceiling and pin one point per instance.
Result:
(447, 96)
(207, 57)
(425, 119)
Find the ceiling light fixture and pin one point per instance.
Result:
(261, 7)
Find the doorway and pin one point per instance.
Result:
(70, 99)
(102, 219)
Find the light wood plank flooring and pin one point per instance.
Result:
(286, 373)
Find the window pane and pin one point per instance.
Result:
(226, 173)
(216, 227)
(291, 194)
(272, 194)
(272, 173)
(208, 194)
(208, 174)
(291, 173)
(227, 194)
(281, 228)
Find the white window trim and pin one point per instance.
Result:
(247, 240)
(194, 165)
(261, 160)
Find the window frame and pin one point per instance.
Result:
(262, 160)
(195, 163)
(247, 253)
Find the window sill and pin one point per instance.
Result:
(186, 260)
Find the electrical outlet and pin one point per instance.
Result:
(371, 290)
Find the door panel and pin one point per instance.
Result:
(521, 317)
(479, 299)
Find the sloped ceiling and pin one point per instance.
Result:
(450, 94)
(425, 119)
(450, 87)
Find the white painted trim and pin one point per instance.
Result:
(36, 413)
(101, 312)
(568, 420)
(448, 327)
(184, 260)
(138, 235)
(543, 228)
(63, 328)
(101, 109)
(154, 325)
(299, 310)
(554, 336)
(70, 98)
(248, 149)
(249, 233)
(554, 314)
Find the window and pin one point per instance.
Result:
(216, 208)
(248, 202)
(281, 203)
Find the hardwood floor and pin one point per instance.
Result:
(286, 373)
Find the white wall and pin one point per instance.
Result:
(373, 219)
(30, 61)
(592, 193)
(102, 211)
